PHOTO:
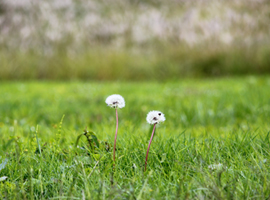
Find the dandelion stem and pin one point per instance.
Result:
(149, 146)
(114, 146)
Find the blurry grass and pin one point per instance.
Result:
(190, 103)
(208, 122)
(162, 63)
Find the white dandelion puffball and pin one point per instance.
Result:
(115, 101)
(155, 117)
(215, 166)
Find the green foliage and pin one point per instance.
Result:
(161, 62)
(214, 143)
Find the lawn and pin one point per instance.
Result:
(214, 143)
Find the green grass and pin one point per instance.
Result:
(208, 122)
(159, 61)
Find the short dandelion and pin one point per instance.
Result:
(218, 166)
(115, 101)
(153, 117)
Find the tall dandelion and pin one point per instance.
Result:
(153, 117)
(115, 101)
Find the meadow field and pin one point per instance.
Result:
(214, 143)
(204, 64)
(133, 39)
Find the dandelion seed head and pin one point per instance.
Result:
(155, 117)
(115, 101)
(218, 166)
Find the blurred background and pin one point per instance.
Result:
(133, 39)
